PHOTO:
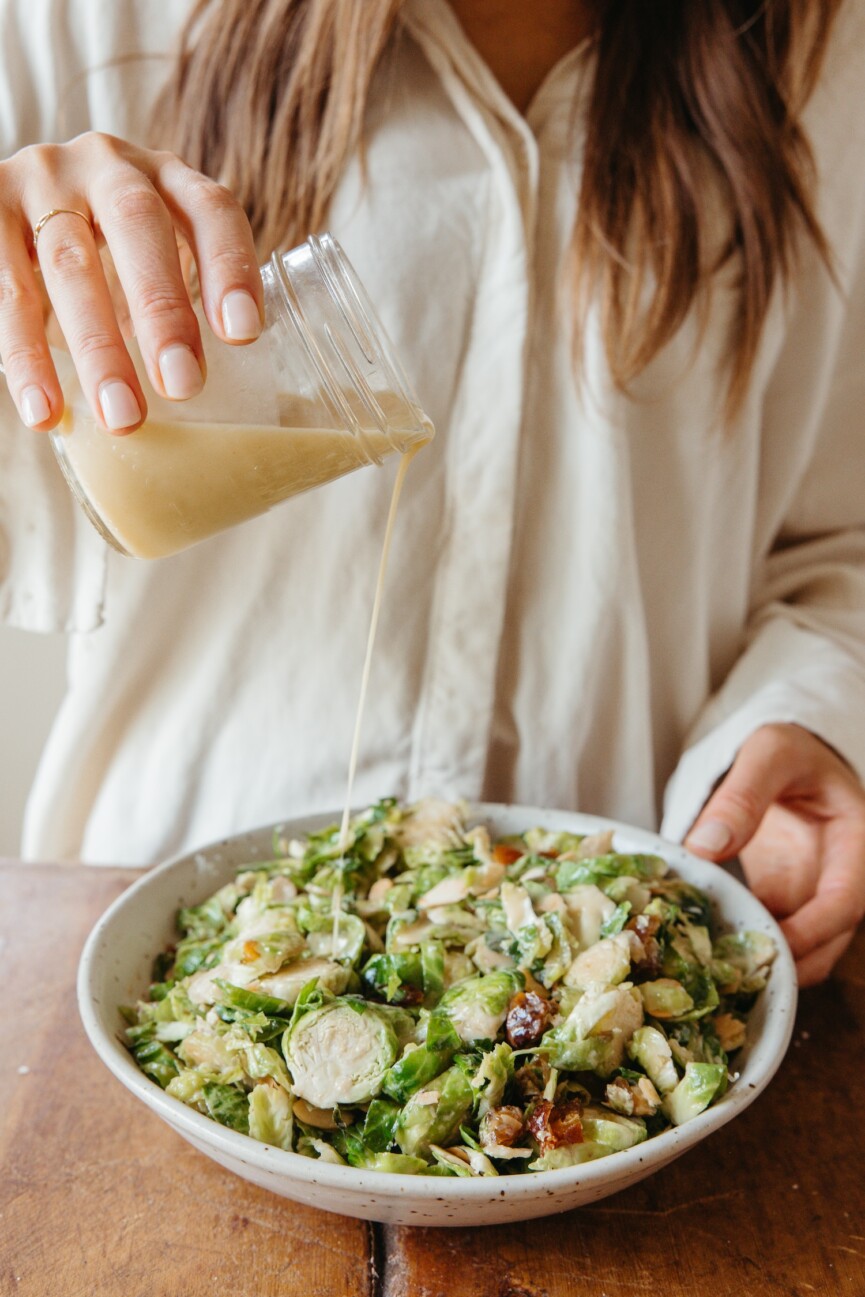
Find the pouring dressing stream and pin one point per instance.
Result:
(399, 481)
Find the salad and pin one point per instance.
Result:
(474, 1007)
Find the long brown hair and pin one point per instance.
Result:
(269, 96)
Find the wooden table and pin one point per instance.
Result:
(99, 1199)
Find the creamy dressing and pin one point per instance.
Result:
(171, 484)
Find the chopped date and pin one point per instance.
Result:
(646, 926)
(556, 1124)
(504, 854)
(528, 1018)
(503, 1127)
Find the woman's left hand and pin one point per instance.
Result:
(794, 813)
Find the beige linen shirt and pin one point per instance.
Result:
(594, 599)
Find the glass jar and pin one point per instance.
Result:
(319, 394)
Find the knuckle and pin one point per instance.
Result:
(66, 258)
(742, 803)
(221, 199)
(94, 343)
(23, 357)
(166, 158)
(212, 196)
(98, 142)
(15, 294)
(42, 161)
(130, 203)
(42, 155)
(227, 263)
(160, 302)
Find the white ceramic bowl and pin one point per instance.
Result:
(115, 969)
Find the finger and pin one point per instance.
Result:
(817, 966)
(218, 231)
(782, 861)
(72, 272)
(783, 889)
(30, 374)
(141, 239)
(731, 816)
(839, 902)
(118, 297)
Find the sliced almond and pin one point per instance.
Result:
(322, 1118)
(596, 844)
(427, 1097)
(379, 888)
(450, 891)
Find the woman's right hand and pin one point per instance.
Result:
(136, 203)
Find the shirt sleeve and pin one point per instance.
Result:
(803, 659)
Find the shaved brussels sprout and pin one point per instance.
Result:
(379, 1125)
(492, 1076)
(599, 869)
(290, 980)
(666, 998)
(701, 1083)
(228, 1106)
(156, 1061)
(395, 978)
(751, 954)
(339, 1053)
(351, 936)
(650, 1048)
(606, 963)
(594, 1035)
(270, 1116)
(434, 1115)
(478, 1007)
(560, 955)
(420, 1064)
(587, 909)
(565, 1050)
(549, 840)
(612, 1129)
(555, 1159)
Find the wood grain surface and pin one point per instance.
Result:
(97, 1197)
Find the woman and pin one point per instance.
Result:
(630, 572)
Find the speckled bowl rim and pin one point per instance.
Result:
(764, 1054)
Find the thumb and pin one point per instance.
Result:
(733, 813)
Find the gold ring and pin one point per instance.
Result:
(57, 211)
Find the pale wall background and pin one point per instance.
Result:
(32, 672)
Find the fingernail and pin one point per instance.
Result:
(35, 406)
(240, 318)
(120, 408)
(180, 372)
(713, 836)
